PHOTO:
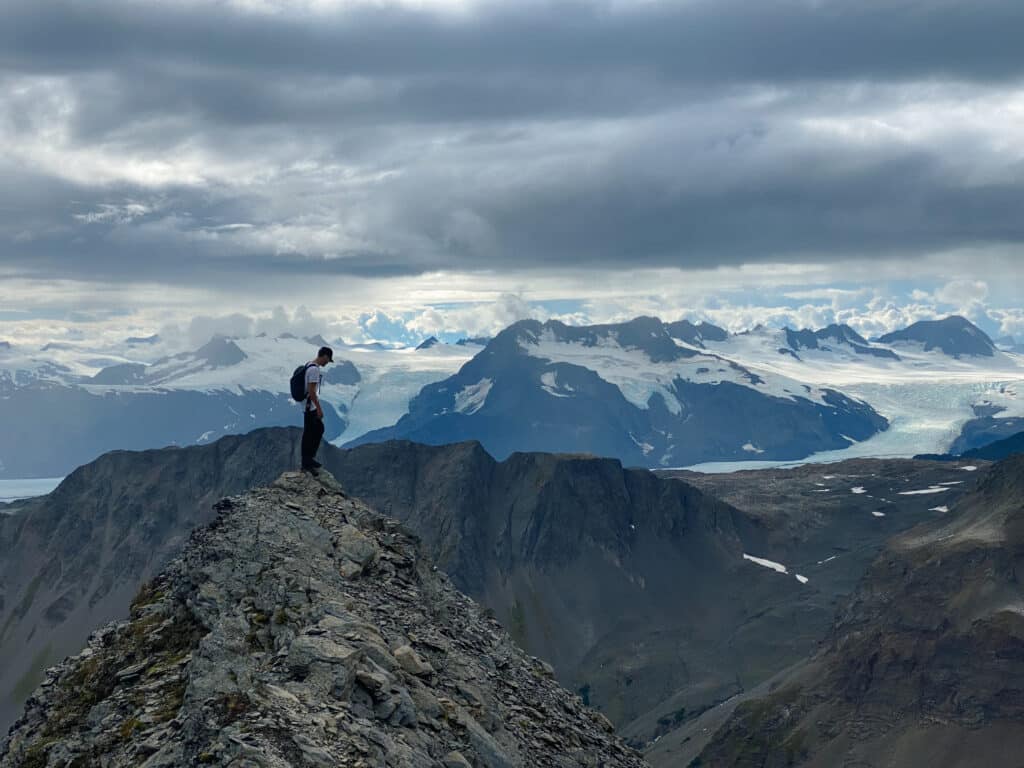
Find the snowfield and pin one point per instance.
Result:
(927, 396)
(389, 378)
(639, 378)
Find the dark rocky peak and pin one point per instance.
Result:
(317, 341)
(841, 333)
(805, 339)
(302, 628)
(220, 352)
(5, 346)
(342, 372)
(832, 335)
(711, 332)
(696, 334)
(955, 336)
(428, 343)
(122, 373)
(154, 339)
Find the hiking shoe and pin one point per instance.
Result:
(311, 469)
(315, 464)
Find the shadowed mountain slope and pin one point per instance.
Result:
(925, 665)
(956, 336)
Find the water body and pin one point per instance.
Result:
(12, 490)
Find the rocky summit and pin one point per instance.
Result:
(301, 628)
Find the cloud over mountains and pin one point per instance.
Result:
(141, 138)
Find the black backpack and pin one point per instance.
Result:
(298, 382)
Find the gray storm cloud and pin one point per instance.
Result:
(178, 141)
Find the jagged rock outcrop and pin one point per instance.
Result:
(300, 628)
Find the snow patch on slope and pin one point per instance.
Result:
(925, 491)
(472, 398)
(777, 567)
(549, 383)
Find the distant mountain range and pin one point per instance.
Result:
(673, 394)
(646, 392)
(633, 391)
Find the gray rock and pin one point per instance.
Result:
(254, 648)
(455, 759)
(411, 662)
(356, 550)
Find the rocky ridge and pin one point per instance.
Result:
(302, 628)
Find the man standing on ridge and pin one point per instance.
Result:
(313, 416)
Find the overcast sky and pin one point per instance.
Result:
(392, 170)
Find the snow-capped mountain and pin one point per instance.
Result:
(661, 394)
(61, 407)
(955, 336)
(840, 339)
(634, 391)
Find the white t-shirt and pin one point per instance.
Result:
(312, 377)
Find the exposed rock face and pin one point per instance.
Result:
(925, 665)
(301, 628)
(955, 336)
(841, 335)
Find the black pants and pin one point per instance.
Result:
(312, 432)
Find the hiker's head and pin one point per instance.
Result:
(324, 356)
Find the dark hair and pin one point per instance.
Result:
(326, 352)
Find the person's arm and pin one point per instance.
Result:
(314, 398)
